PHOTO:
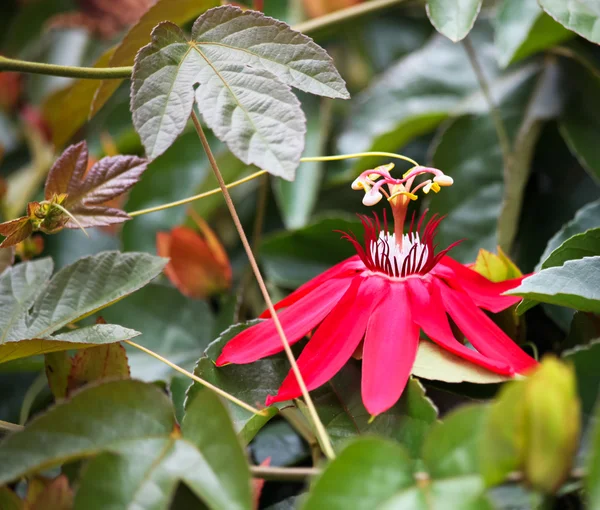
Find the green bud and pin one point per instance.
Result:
(552, 425)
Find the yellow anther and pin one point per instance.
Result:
(359, 184)
(443, 180)
(405, 174)
(404, 193)
(431, 186)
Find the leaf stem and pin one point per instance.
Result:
(92, 73)
(10, 427)
(31, 394)
(322, 433)
(501, 132)
(215, 191)
(199, 380)
(284, 474)
(196, 197)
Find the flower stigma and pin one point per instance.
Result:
(378, 183)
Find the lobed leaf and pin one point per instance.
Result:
(88, 190)
(243, 64)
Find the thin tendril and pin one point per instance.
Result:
(60, 207)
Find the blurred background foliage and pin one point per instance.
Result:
(526, 173)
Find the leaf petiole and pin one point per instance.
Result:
(199, 380)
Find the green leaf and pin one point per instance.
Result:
(375, 473)
(503, 437)
(592, 480)
(139, 455)
(368, 472)
(577, 247)
(580, 16)
(340, 407)
(453, 18)
(412, 97)
(579, 126)
(522, 29)
(576, 284)
(58, 366)
(437, 364)
(9, 500)
(40, 307)
(451, 449)
(586, 218)
(234, 59)
(69, 108)
(585, 359)
(250, 383)
(291, 259)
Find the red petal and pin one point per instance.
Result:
(389, 351)
(428, 311)
(346, 268)
(481, 331)
(263, 340)
(484, 293)
(335, 340)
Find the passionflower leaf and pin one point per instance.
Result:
(136, 450)
(88, 190)
(35, 307)
(244, 64)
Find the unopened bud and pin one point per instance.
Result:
(372, 197)
(443, 180)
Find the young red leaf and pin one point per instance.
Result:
(88, 191)
(15, 231)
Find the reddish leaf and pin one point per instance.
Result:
(89, 191)
(15, 231)
(96, 363)
(104, 18)
(199, 265)
(46, 494)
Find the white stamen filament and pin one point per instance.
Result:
(399, 254)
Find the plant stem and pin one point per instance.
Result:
(283, 474)
(33, 391)
(199, 380)
(322, 433)
(10, 427)
(91, 73)
(196, 197)
(503, 138)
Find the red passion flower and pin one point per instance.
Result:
(381, 299)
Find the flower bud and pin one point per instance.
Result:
(443, 180)
(552, 425)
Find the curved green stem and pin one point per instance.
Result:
(91, 73)
(215, 191)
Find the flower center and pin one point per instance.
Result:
(408, 257)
